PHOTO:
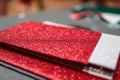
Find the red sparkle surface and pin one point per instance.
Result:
(67, 43)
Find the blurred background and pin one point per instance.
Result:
(97, 15)
(13, 7)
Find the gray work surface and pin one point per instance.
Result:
(10, 72)
(59, 16)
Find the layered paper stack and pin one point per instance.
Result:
(70, 53)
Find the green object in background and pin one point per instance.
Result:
(108, 9)
(97, 8)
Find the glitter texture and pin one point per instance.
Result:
(67, 43)
(40, 67)
(71, 44)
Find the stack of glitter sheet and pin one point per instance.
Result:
(59, 53)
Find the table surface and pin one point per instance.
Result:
(59, 16)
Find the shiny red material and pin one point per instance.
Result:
(40, 67)
(68, 43)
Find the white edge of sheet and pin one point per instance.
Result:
(56, 24)
(106, 52)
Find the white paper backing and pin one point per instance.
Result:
(106, 53)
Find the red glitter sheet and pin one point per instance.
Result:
(28, 35)
(71, 44)
(40, 67)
